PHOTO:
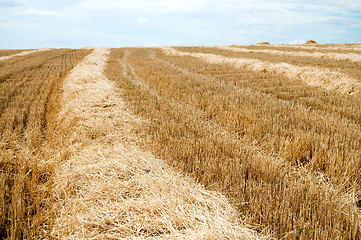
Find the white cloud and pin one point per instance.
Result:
(37, 12)
(275, 12)
(357, 24)
(155, 6)
(335, 20)
(183, 21)
(142, 20)
(241, 32)
(353, 4)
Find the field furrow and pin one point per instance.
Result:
(243, 142)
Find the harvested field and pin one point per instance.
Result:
(328, 47)
(10, 54)
(353, 57)
(300, 48)
(312, 76)
(245, 142)
(304, 64)
(27, 105)
(111, 189)
(271, 156)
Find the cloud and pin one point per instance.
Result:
(36, 12)
(142, 20)
(276, 13)
(180, 22)
(356, 24)
(155, 6)
(335, 20)
(12, 3)
(353, 4)
(241, 32)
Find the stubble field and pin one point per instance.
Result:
(269, 136)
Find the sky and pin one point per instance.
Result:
(28, 24)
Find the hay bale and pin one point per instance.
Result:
(263, 43)
(311, 42)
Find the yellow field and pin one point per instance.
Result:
(29, 85)
(274, 129)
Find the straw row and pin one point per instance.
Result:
(242, 132)
(336, 56)
(108, 188)
(313, 76)
(24, 53)
(354, 47)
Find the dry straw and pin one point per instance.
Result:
(312, 76)
(257, 136)
(350, 47)
(336, 56)
(108, 189)
(24, 53)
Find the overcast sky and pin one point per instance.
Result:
(118, 23)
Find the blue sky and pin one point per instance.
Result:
(118, 23)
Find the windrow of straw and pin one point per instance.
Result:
(313, 76)
(23, 53)
(348, 68)
(315, 113)
(353, 47)
(28, 89)
(105, 187)
(8, 52)
(298, 48)
(354, 57)
(274, 159)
